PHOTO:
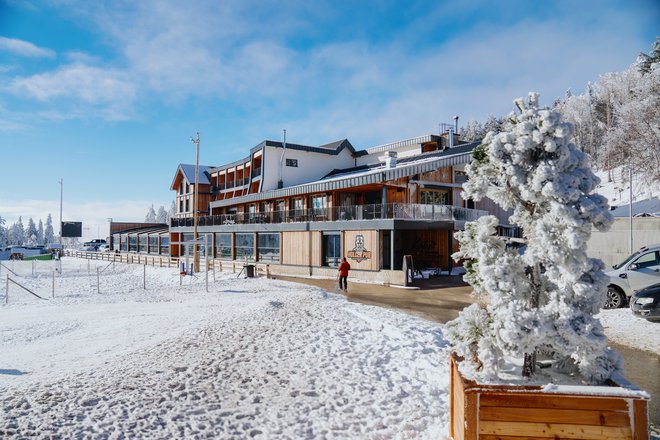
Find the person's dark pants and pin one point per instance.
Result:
(343, 280)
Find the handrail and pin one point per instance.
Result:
(398, 211)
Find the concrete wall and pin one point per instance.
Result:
(612, 246)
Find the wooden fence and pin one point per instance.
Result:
(262, 269)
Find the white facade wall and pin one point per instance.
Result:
(311, 166)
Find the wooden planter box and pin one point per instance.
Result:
(489, 412)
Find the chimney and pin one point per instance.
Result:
(456, 124)
(390, 159)
(451, 137)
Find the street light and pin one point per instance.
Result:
(61, 182)
(195, 207)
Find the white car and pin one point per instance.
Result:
(104, 248)
(640, 270)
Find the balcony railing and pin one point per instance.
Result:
(256, 172)
(400, 211)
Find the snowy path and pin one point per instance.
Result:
(253, 358)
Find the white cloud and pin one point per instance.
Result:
(24, 48)
(109, 90)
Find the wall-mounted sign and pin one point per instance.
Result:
(359, 252)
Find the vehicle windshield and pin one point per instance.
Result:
(627, 260)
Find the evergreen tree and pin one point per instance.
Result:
(49, 235)
(31, 238)
(646, 62)
(151, 215)
(17, 233)
(3, 233)
(546, 298)
(161, 215)
(171, 213)
(40, 232)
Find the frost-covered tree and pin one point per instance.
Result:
(647, 61)
(161, 215)
(151, 215)
(49, 235)
(3, 233)
(40, 232)
(547, 297)
(473, 131)
(17, 233)
(171, 213)
(31, 238)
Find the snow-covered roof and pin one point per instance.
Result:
(649, 207)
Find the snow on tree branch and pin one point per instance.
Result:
(545, 298)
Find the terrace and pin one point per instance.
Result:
(398, 211)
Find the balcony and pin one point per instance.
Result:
(398, 211)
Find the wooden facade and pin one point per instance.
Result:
(489, 412)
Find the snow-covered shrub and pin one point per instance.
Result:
(547, 297)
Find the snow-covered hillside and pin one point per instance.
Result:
(614, 185)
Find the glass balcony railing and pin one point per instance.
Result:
(398, 211)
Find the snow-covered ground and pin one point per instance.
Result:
(624, 328)
(251, 358)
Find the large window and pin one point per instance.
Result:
(269, 247)
(164, 245)
(153, 244)
(319, 205)
(223, 245)
(331, 250)
(186, 244)
(428, 197)
(124, 243)
(143, 243)
(132, 243)
(244, 246)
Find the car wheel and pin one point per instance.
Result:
(614, 298)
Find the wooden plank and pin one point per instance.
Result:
(641, 419)
(538, 400)
(545, 415)
(555, 430)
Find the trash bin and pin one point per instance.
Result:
(249, 270)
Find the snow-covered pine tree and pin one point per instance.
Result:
(547, 297)
(161, 215)
(151, 215)
(40, 232)
(3, 233)
(17, 233)
(49, 235)
(31, 238)
(171, 212)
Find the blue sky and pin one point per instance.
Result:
(107, 94)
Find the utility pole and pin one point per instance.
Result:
(630, 177)
(61, 181)
(195, 207)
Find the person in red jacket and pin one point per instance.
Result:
(344, 267)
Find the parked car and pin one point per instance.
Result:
(104, 248)
(638, 271)
(93, 245)
(645, 303)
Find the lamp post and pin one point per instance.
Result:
(61, 182)
(195, 207)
